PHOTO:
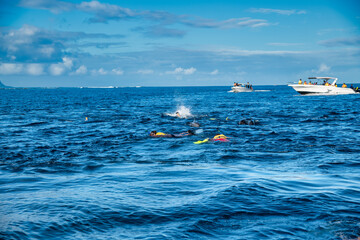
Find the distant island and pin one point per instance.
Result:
(4, 86)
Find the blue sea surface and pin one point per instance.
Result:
(293, 175)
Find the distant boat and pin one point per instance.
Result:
(241, 87)
(324, 88)
(138, 86)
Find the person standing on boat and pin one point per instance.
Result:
(344, 85)
(300, 82)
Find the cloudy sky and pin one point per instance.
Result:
(47, 43)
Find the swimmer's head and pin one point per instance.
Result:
(242, 122)
(190, 132)
(153, 133)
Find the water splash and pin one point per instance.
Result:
(183, 111)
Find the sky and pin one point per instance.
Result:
(58, 43)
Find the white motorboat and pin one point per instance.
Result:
(324, 88)
(242, 88)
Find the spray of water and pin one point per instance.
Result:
(183, 111)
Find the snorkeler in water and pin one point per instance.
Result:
(187, 133)
(165, 135)
(160, 134)
(220, 137)
(216, 138)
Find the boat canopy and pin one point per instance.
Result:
(325, 78)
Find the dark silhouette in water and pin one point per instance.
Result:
(248, 122)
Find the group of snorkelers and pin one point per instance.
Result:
(217, 138)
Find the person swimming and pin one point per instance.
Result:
(220, 137)
(178, 114)
(166, 135)
(217, 138)
(160, 134)
(187, 133)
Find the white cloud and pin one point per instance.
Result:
(178, 70)
(57, 69)
(215, 72)
(278, 44)
(240, 52)
(35, 69)
(323, 68)
(189, 71)
(60, 68)
(53, 6)
(146, 71)
(100, 71)
(352, 41)
(229, 23)
(10, 68)
(21, 41)
(47, 51)
(68, 63)
(278, 11)
(184, 71)
(118, 71)
(26, 30)
(81, 70)
(105, 12)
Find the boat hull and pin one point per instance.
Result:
(241, 89)
(321, 89)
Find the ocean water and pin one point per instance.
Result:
(79, 164)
